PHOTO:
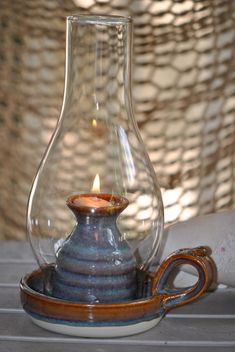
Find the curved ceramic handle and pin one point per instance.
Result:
(198, 258)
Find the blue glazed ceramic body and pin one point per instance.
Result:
(95, 264)
(121, 318)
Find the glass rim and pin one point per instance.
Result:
(99, 19)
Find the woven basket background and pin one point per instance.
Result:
(183, 87)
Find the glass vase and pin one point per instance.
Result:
(95, 198)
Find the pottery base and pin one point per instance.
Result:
(99, 331)
(99, 320)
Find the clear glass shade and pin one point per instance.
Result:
(96, 147)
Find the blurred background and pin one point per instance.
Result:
(183, 90)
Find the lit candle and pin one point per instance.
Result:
(92, 200)
(96, 184)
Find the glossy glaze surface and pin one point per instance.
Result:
(95, 264)
(51, 310)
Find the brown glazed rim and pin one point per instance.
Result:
(40, 303)
(118, 204)
(159, 302)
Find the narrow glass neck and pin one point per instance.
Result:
(98, 58)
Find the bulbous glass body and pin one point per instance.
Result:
(96, 134)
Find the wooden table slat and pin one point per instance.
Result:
(178, 332)
(29, 346)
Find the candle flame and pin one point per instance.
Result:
(96, 184)
(94, 123)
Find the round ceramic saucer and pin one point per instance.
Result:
(87, 320)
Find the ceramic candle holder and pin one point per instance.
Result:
(95, 264)
(120, 318)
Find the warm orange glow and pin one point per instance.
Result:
(91, 202)
(96, 184)
(94, 123)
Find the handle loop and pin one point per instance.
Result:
(197, 257)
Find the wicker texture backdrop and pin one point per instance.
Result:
(183, 87)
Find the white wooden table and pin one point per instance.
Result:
(206, 325)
